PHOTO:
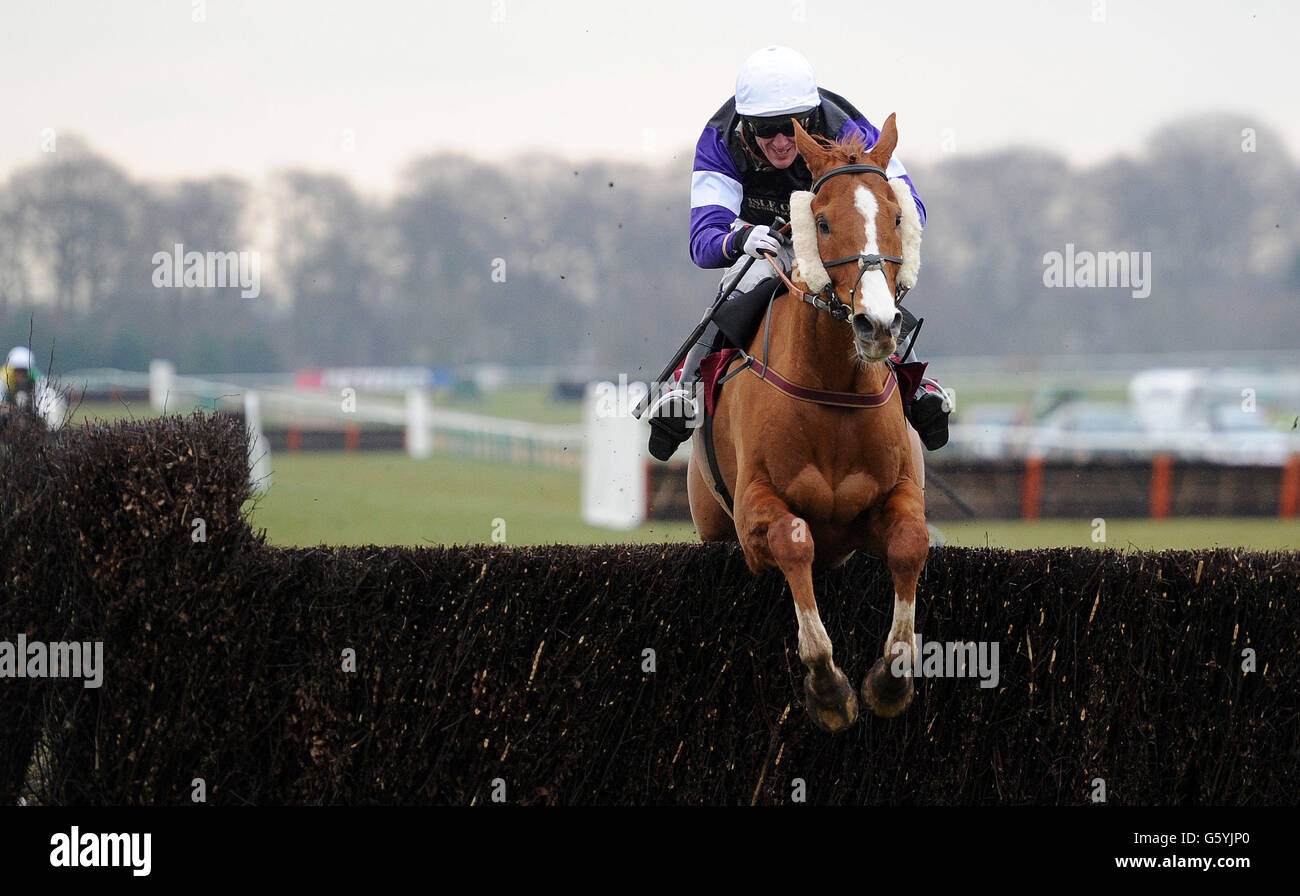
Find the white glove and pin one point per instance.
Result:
(757, 241)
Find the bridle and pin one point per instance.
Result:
(838, 309)
(832, 303)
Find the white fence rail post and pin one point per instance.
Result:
(161, 375)
(428, 429)
(51, 405)
(419, 433)
(259, 450)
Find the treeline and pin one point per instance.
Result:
(543, 261)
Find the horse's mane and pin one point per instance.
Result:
(849, 149)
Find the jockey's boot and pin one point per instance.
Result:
(929, 412)
(673, 414)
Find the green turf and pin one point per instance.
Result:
(531, 403)
(388, 498)
(1259, 534)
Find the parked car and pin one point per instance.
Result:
(987, 431)
(1082, 431)
(1241, 438)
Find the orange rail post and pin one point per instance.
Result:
(649, 488)
(295, 440)
(1162, 486)
(1289, 494)
(352, 437)
(1032, 490)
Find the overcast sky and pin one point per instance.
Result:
(362, 87)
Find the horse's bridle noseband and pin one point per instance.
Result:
(837, 307)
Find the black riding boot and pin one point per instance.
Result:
(930, 405)
(928, 410)
(734, 323)
(676, 412)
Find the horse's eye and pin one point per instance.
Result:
(898, 219)
(822, 226)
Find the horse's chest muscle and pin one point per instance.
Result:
(830, 468)
(841, 501)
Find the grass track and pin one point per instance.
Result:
(387, 498)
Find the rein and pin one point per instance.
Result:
(767, 374)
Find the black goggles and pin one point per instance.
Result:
(767, 128)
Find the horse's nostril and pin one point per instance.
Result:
(898, 320)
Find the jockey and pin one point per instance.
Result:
(18, 378)
(746, 167)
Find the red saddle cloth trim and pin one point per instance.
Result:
(711, 372)
(909, 377)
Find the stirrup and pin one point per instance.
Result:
(675, 394)
(922, 391)
(669, 416)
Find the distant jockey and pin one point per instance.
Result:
(18, 378)
(746, 167)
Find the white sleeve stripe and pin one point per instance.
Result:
(712, 188)
(895, 168)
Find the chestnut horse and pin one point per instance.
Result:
(814, 482)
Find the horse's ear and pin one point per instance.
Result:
(885, 143)
(817, 157)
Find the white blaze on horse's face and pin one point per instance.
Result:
(878, 334)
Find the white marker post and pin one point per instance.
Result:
(259, 450)
(614, 464)
(419, 431)
(161, 374)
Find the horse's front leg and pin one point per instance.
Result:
(773, 536)
(900, 526)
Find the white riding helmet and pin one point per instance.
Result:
(776, 81)
(20, 358)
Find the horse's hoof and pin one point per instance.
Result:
(833, 707)
(885, 694)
